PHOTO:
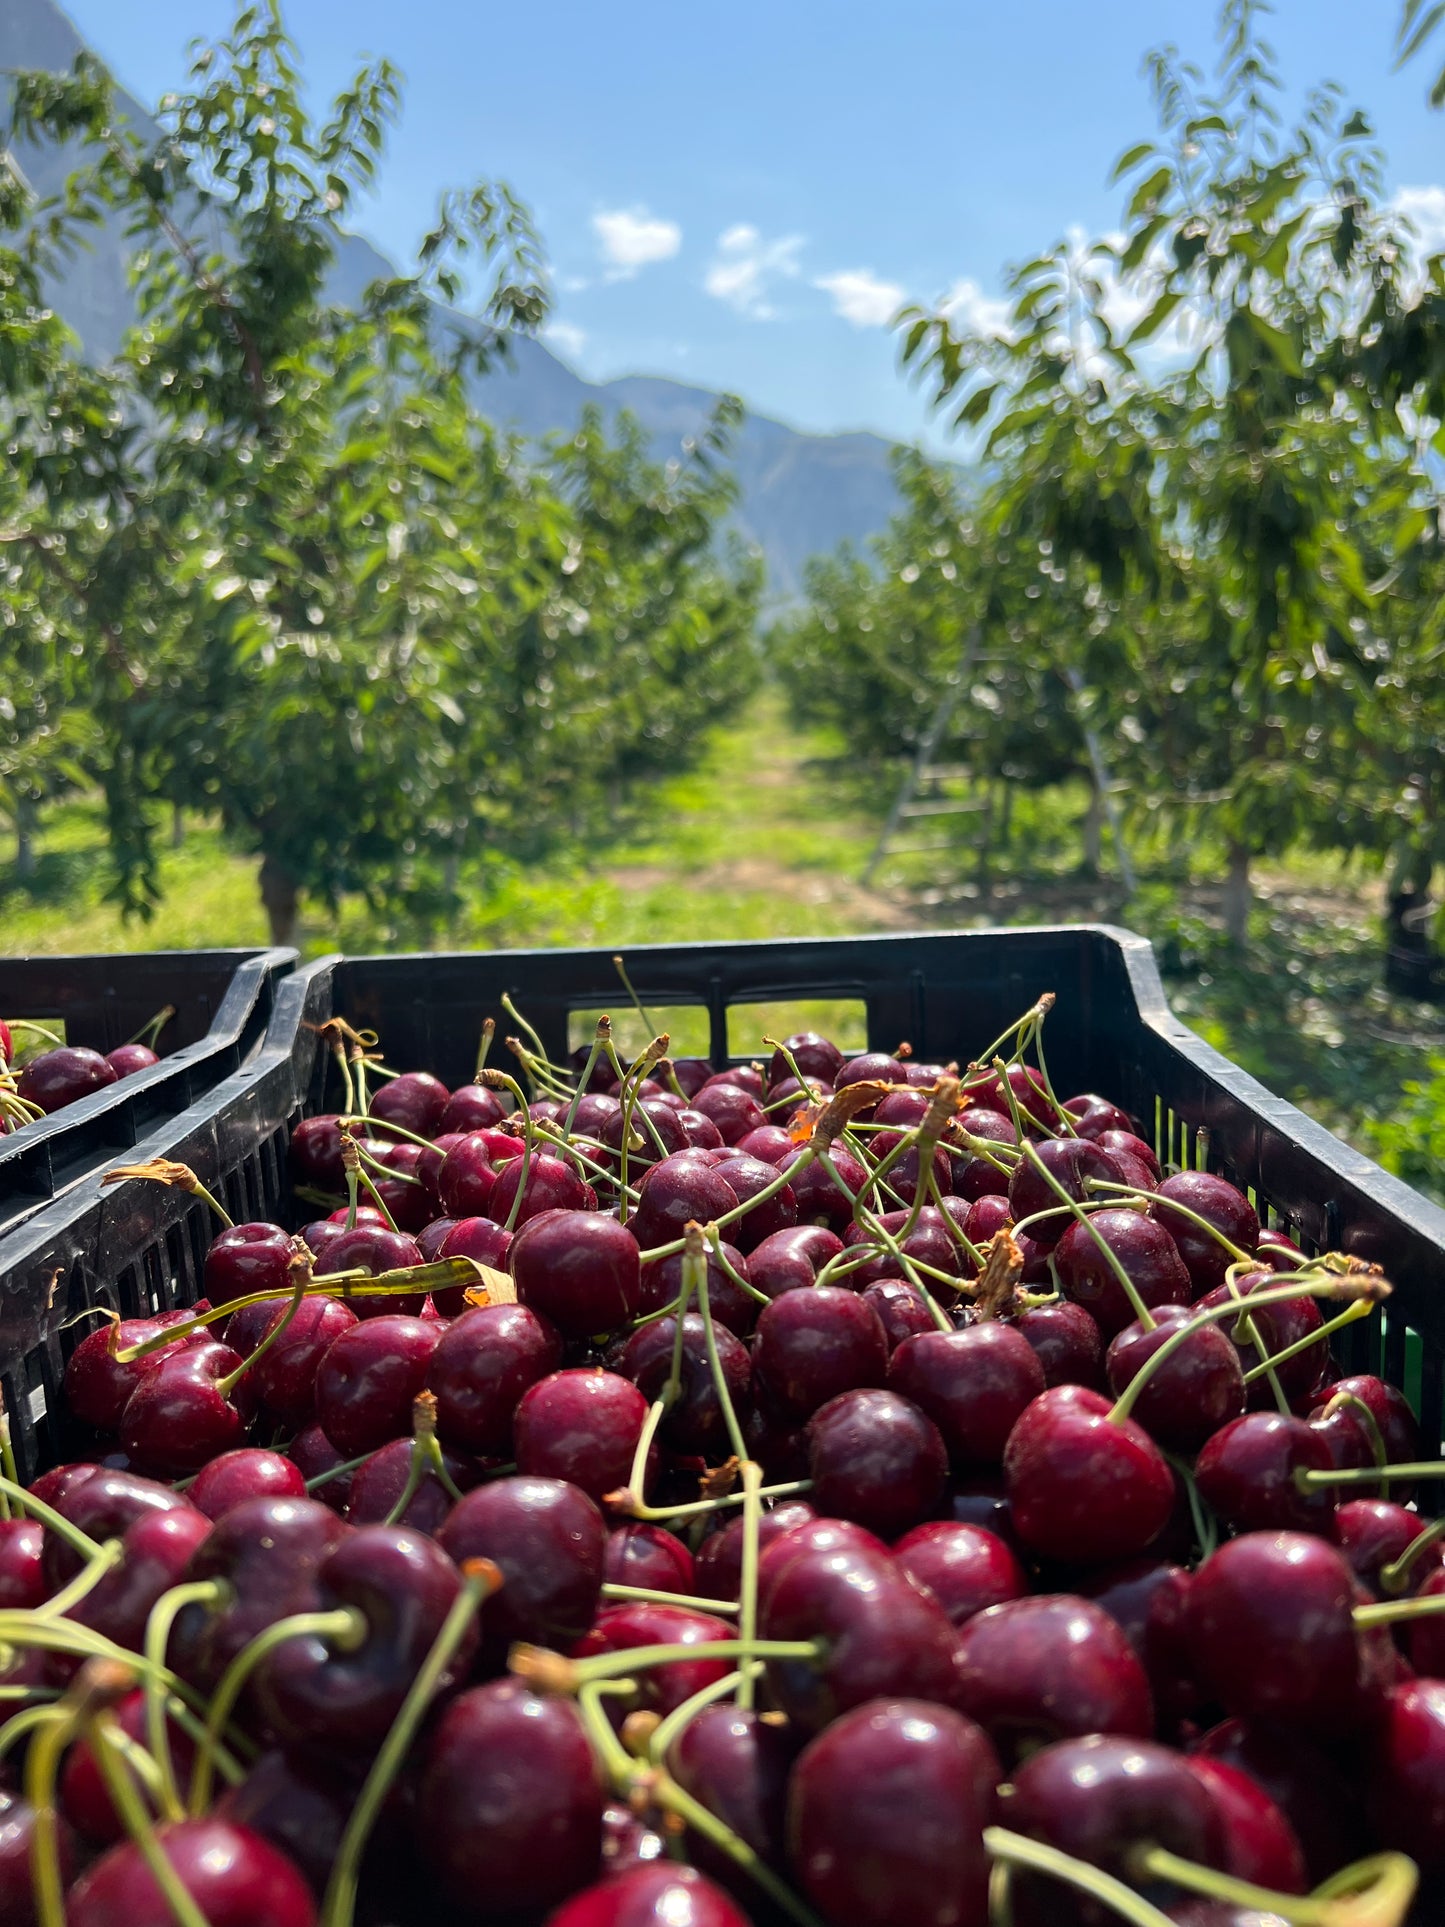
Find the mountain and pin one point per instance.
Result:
(798, 494)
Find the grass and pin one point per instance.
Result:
(767, 837)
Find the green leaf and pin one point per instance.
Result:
(1130, 159)
(1151, 190)
(1149, 325)
(1283, 347)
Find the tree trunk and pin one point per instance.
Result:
(1094, 833)
(1237, 896)
(279, 895)
(24, 838)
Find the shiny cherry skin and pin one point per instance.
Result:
(792, 1259)
(634, 1623)
(882, 1637)
(1399, 1429)
(1260, 1845)
(1134, 1147)
(431, 1238)
(156, 1550)
(700, 1131)
(1049, 1667)
(1081, 1487)
(1030, 1093)
(932, 1241)
(736, 1765)
(809, 1536)
(974, 1384)
(658, 1894)
(749, 1178)
(97, 1384)
(467, 1178)
(510, 1801)
(471, 1107)
(694, 1422)
(236, 1879)
(1270, 1620)
(126, 1059)
(1373, 1533)
(317, 1458)
(675, 1191)
(103, 1502)
(734, 1111)
(1278, 1326)
(402, 1585)
(481, 1239)
(1222, 1205)
(1099, 1799)
(814, 1055)
(300, 1803)
(84, 1796)
(819, 1199)
(770, 1143)
(179, 1416)
(965, 1567)
(581, 1425)
(812, 1345)
(22, 1577)
(375, 1249)
(416, 1100)
(1197, 1389)
(886, 1812)
(379, 1481)
(1072, 1162)
(550, 1184)
(482, 1364)
(245, 1259)
(1345, 1429)
(1146, 1597)
(974, 1174)
(719, 1561)
(63, 1076)
(1147, 1254)
(1306, 1781)
(549, 1542)
(639, 1554)
(901, 1308)
(284, 1377)
(368, 1378)
(1067, 1342)
(1093, 1115)
(1247, 1473)
(580, 1270)
(1407, 1773)
(247, 1473)
(878, 1460)
(315, 1154)
(730, 1304)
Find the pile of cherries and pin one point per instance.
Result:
(847, 1493)
(51, 1079)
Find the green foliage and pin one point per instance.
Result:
(310, 589)
(1409, 1139)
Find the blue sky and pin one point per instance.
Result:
(738, 196)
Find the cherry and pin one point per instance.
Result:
(22, 1579)
(719, 1561)
(1197, 1389)
(903, 1175)
(965, 1567)
(1093, 1115)
(694, 1422)
(876, 1459)
(581, 1425)
(790, 1099)
(411, 1205)
(1124, 1142)
(1102, 1799)
(284, 1377)
(374, 1249)
(811, 1345)
(1050, 1667)
(886, 1812)
(1072, 1162)
(368, 1378)
(510, 1803)
(732, 1110)
(1407, 1773)
(1425, 1638)
(736, 1765)
(63, 1076)
(55, 1486)
(156, 1549)
(247, 1473)
(314, 1455)
(1278, 1326)
(749, 1177)
(482, 1364)
(660, 1689)
(791, 1259)
(548, 1540)
(769, 1142)
(550, 1185)
(1373, 1533)
(300, 1804)
(675, 1191)
(902, 1310)
(1220, 1204)
(1029, 1091)
(699, 1130)
(481, 1239)
(880, 1636)
(236, 1879)
(1083, 1487)
(1146, 1596)
(1315, 1795)
(126, 1059)
(315, 1154)
(1392, 1414)
(84, 1797)
(974, 1175)
(1246, 1473)
(730, 1304)
(820, 1201)
(245, 1259)
(1343, 1428)
(245, 1328)
(692, 1073)
(1270, 1620)
(467, 1178)
(1260, 1845)
(660, 1894)
(377, 1484)
(402, 1585)
(811, 1535)
(471, 1107)
(930, 1242)
(416, 1100)
(97, 1384)
(639, 1554)
(815, 1056)
(1067, 1343)
(973, 1384)
(1146, 1253)
(578, 1269)
(904, 1107)
(179, 1416)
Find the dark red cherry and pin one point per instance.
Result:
(902, 1310)
(675, 1191)
(180, 1415)
(1030, 1093)
(876, 1459)
(639, 1554)
(367, 1380)
(581, 1425)
(700, 1132)
(1145, 1251)
(1050, 1667)
(731, 1110)
(482, 1364)
(1223, 1206)
(84, 1796)
(791, 1259)
(694, 1423)
(467, 1177)
(431, 1237)
(735, 1764)
(375, 1249)
(235, 1878)
(659, 1894)
(1399, 1430)
(316, 1458)
(1278, 1327)
(97, 1384)
(1246, 1473)
(301, 1805)
(1093, 1115)
(1133, 1147)
(1373, 1533)
(284, 1377)
(156, 1549)
(481, 1239)
(811, 1535)
(126, 1059)
(1072, 1162)
(471, 1107)
(1305, 1781)
(245, 1259)
(814, 1055)
(637, 1623)
(378, 1483)
(315, 1154)
(965, 1567)
(416, 1100)
(1067, 1342)
(811, 1345)
(1406, 1780)
(976, 1175)
(510, 1800)
(749, 1178)
(1260, 1845)
(731, 1305)
(932, 1241)
(973, 1384)
(577, 1269)
(1083, 1487)
(719, 1562)
(1197, 1389)
(63, 1076)
(770, 1142)
(22, 1578)
(821, 1200)
(248, 1473)
(886, 1812)
(874, 1066)
(549, 1542)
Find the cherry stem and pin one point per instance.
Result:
(337, 1471)
(345, 1626)
(52, 1727)
(614, 1589)
(110, 1758)
(349, 1122)
(1070, 1129)
(56, 1522)
(637, 1005)
(1383, 1888)
(148, 1033)
(300, 1268)
(661, 1738)
(1002, 1844)
(715, 1239)
(157, 1637)
(1361, 1308)
(752, 1475)
(694, 1282)
(1196, 1218)
(425, 1456)
(107, 1558)
(807, 1157)
(639, 1658)
(790, 1489)
(1369, 1474)
(1395, 1577)
(517, 1018)
(1111, 1257)
(484, 1046)
(588, 1166)
(636, 1487)
(480, 1579)
(180, 1176)
(602, 1035)
(868, 1222)
(673, 1799)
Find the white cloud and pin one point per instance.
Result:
(631, 238)
(562, 334)
(745, 264)
(1424, 209)
(979, 313)
(860, 297)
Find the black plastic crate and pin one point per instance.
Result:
(138, 1246)
(223, 1002)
